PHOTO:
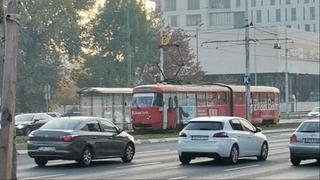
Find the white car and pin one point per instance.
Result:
(315, 113)
(221, 137)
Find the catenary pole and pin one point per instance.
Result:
(247, 73)
(7, 133)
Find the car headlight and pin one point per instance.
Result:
(20, 126)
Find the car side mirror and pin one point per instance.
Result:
(119, 130)
(36, 120)
(258, 129)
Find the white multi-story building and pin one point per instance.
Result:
(225, 14)
(224, 20)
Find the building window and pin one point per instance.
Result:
(278, 15)
(238, 3)
(259, 16)
(304, 13)
(306, 1)
(170, 5)
(193, 20)
(272, 2)
(219, 4)
(193, 4)
(307, 27)
(314, 28)
(288, 26)
(286, 15)
(253, 3)
(261, 2)
(220, 19)
(268, 15)
(312, 13)
(293, 14)
(173, 21)
(288, 1)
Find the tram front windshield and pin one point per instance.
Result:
(142, 100)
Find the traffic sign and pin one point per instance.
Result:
(246, 80)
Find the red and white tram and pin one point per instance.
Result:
(163, 106)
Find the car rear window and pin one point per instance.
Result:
(61, 124)
(311, 127)
(205, 126)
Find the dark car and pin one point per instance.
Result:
(25, 123)
(80, 138)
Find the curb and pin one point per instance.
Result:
(173, 139)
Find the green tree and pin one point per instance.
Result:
(119, 22)
(49, 42)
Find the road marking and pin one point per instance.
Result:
(42, 177)
(138, 165)
(238, 168)
(142, 152)
(181, 177)
(279, 140)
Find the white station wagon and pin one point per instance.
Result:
(221, 137)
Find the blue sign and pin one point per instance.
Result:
(246, 80)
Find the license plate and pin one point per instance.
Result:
(311, 140)
(46, 149)
(201, 138)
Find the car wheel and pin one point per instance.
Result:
(128, 153)
(184, 159)
(27, 131)
(264, 152)
(234, 155)
(295, 160)
(40, 161)
(86, 157)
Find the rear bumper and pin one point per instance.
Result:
(62, 151)
(212, 149)
(305, 151)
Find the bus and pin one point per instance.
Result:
(165, 106)
(110, 103)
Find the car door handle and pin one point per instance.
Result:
(93, 137)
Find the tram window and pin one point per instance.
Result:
(182, 99)
(201, 99)
(222, 98)
(191, 99)
(212, 99)
(158, 100)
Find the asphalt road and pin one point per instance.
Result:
(160, 161)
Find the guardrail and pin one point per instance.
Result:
(294, 115)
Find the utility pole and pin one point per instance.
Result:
(247, 73)
(286, 74)
(129, 83)
(8, 159)
(1, 31)
(197, 42)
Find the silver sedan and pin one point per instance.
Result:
(305, 142)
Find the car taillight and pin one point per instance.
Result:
(68, 139)
(293, 139)
(221, 134)
(30, 137)
(182, 134)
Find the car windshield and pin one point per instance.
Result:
(62, 124)
(311, 127)
(24, 117)
(205, 126)
(316, 109)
